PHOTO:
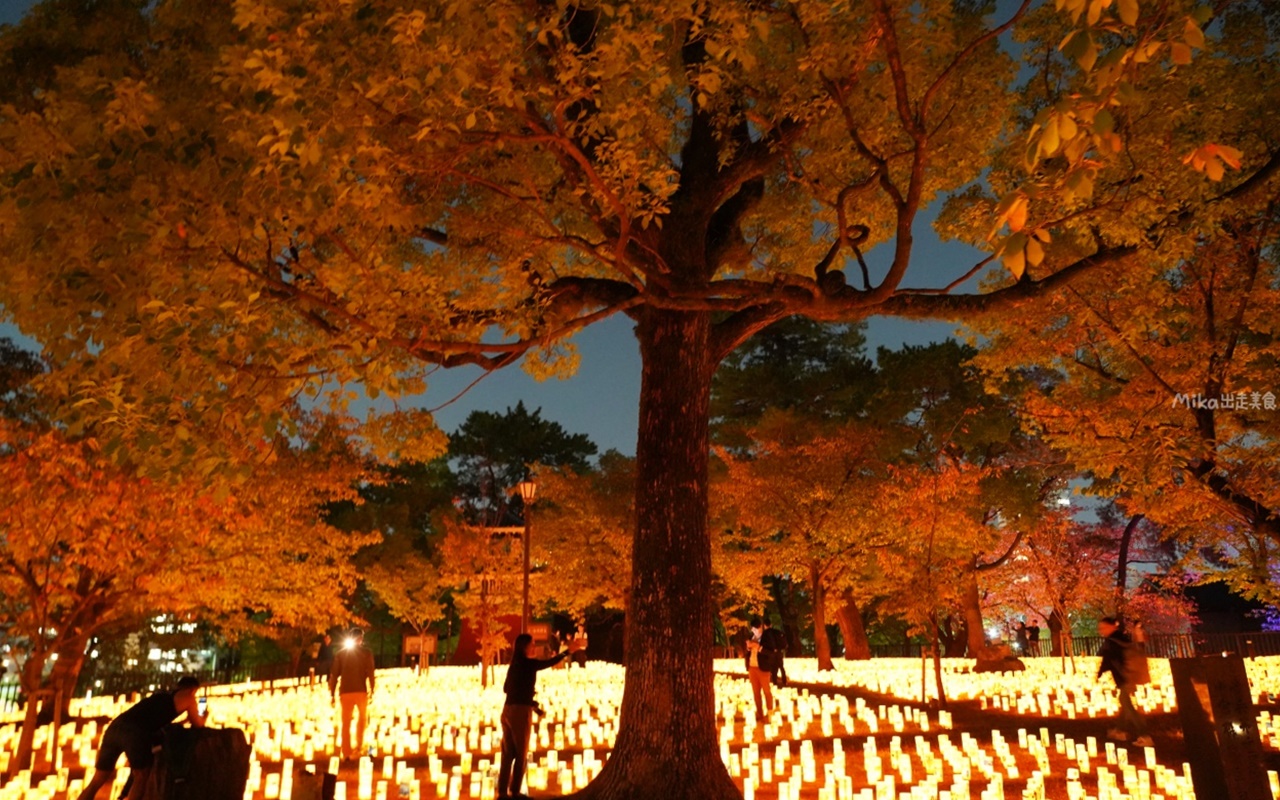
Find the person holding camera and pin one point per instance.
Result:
(517, 713)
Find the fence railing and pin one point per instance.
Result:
(1160, 645)
(146, 680)
(1182, 645)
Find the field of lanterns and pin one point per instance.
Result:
(856, 733)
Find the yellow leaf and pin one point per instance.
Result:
(1018, 214)
(1015, 262)
(1181, 53)
(1230, 155)
(1049, 140)
(1067, 128)
(1035, 252)
(1192, 35)
(1128, 12)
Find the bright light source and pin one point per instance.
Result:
(350, 643)
(1064, 501)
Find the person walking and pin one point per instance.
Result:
(1033, 640)
(773, 646)
(1022, 635)
(1121, 657)
(578, 646)
(517, 712)
(351, 682)
(136, 734)
(759, 670)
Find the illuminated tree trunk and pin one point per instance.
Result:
(821, 642)
(63, 677)
(972, 602)
(30, 680)
(667, 737)
(1056, 629)
(852, 630)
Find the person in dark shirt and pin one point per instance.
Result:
(773, 646)
(136, 734)
(1116, 646)
(353, 669)
(517, 712)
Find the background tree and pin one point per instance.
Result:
(359, 193)
(936, 508)
(946, 415)
(821, 375)
(18, 367)
(582, 539)
(803, 490)
(404, 503)
(491, 453)
(87, 547)
(483, 569)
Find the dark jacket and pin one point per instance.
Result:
(150, 714)
(522, 677)
(354, 669)
(1112, 652)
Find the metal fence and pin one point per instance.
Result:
(144, 681)
(1160, 645)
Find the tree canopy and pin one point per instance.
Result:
(238, 206)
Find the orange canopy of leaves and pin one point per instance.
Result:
(87, 545)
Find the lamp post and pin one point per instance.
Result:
(528, 491)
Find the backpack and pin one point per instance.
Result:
(1134, 664)
(772, 647)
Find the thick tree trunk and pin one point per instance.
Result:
(667, 743)
(789, 615)
(821, 642)
(30, 679)
(63, 678)
(1055, 634)
(956, 638)
(852, 630)
(972, 603)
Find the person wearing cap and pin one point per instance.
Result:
(136, 734)
(351, 684)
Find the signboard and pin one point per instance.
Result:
(540, 631)
(419, 649)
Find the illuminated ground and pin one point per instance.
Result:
(859, 732)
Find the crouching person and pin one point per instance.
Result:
(137, 732)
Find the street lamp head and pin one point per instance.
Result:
(528, 491)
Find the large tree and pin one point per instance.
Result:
(246, 203)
